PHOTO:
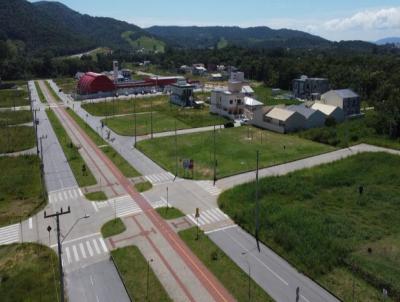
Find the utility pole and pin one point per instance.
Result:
(215, 159)
(151, 118)
(134, 114)
(176, 152)
(148, 273)
(257, 206)
(57, 216)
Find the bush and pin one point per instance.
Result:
(330, 121)
(229, 125)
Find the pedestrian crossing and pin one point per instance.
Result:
(209, 187)
(160, 204)
(160, 178)
(65, 195)
(208, 217)
(82, 250)
(122, 206)
(10, 234)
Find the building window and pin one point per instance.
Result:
(231, 102)
(239, 102)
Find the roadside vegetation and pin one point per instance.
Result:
(169, 213)
(352, 132)
(112, 228)
(133, 268)
(28, 272)
(109, 151)
(322, 222)
(52, 92)
(11, 117)
(143, 186)
(16, 138)
(96, 196)
(235, 151)
(21, 192)
(82, 174)
(14, 97)
(225, 270)
(40, 93)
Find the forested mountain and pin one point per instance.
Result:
(392, 40)
(52, 26)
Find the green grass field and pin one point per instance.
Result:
(225, 270)
(149, 44)
(28, 272)
(235, 152)
(109, 151)
(40, 93)
(317, 219)
(20, 188)
(112, 228)
(133, 268)
(264, 95)
(14, 97)
(18, 138)
(68, 85)
(143, 186)
(72, 154)
(170, 213)
(15, 117)
(352, 132)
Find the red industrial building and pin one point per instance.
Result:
(92, 83)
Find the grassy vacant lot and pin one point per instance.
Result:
(113, 155)
(169, 213)
(112, 228)
(264, 94)
(228, 273)
(28, 272)
(236, 152)
(40, 92)
(96, 196)
(12, 117)
(133, 267)
(14, 97)
(68, 85)
(20, 188)
(352, 132)
(71, 152)
(317, 219)
(18, 138)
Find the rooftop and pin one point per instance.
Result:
(346, 93)
(248, 101)
(302, 109)
(280, 114)
(326, 109)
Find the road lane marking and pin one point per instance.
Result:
(82, 250)
(304, 298)
(30, 223)
(96, 247)
(68, 254)
(75, 253)
(77, 239)
(221, 229)
(89, 248)
(103, 245)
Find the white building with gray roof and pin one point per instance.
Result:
(346, 99)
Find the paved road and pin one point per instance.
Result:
(189, 279)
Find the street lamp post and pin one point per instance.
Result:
(148, 283)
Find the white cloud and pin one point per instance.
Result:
(382, 19)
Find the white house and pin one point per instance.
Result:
(329, 111)
(346, 99)
(279, 120)
(314, 118)
(251, 105)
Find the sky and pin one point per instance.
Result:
(368, 20)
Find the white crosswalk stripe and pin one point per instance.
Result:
(10, 234)
(160, 204)
(83, 250)
(65, 195)
(208, 217)
(209, 187)
(123, 206)
(160, 178)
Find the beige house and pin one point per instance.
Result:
(330, 111)
(346, 99)
(279, 120)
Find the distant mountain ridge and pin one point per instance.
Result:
(390, 40)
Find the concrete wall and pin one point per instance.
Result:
(317, 119)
